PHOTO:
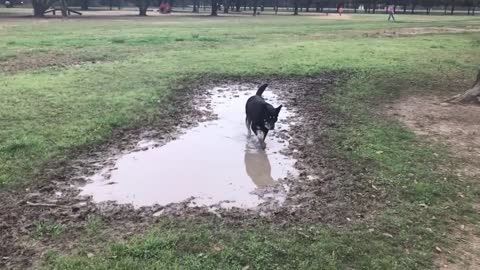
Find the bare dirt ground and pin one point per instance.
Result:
(457, 126)
(39, 60)
(325, 191)
(412, 31)
(333, 16)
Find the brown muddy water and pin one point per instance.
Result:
(214, 164)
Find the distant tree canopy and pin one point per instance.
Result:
(256, 7)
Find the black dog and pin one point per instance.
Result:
(261, 116)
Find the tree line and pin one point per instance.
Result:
(255, 7)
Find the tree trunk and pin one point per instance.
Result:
(64, 8)
(214, 8)
(309, 3)
(226, 6)
(39, 7)
(237, 6)
(143, 7)
(142, 12)
(472, 95)
(84, 5)
(195, 10)
(445, 7)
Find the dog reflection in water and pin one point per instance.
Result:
(258, 166)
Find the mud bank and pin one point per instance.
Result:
(324, 189)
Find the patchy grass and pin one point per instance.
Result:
(48, 228)
(47, 112)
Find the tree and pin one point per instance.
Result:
(214, 8)
(142, 6)
(40, 6)
(195, 6)
(226, 6)
(64, 8)
(255, 4)
(238, 4)
(84, 5)
(471, 5)
(308, 4)
(295, 7)
(428, 4)
(414, 4)
(472, 95)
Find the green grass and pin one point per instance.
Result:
(47, 112)
(48, 228)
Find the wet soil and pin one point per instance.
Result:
(214, 164)
(326, 189)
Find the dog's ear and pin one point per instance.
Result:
(277, 110)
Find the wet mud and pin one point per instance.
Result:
(213, 164)
(299, 179)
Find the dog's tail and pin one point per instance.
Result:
(261, 89)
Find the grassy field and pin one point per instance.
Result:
(107, 74)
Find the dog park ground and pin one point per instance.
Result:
(386, 174)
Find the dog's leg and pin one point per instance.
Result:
(264, 132)
(253, 128)
(249, 130)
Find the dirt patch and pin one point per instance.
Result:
(398, 32)
(39, 60)
(467, 256)
(456, 125)
(326, 190)
(333, 16)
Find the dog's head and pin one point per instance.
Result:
(271, 116)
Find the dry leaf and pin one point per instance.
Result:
(387, 235)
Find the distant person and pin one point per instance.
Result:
(167, 7)
(340, 10)
(161, 8)
(391, 12)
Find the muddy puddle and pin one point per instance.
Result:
(214, 164)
